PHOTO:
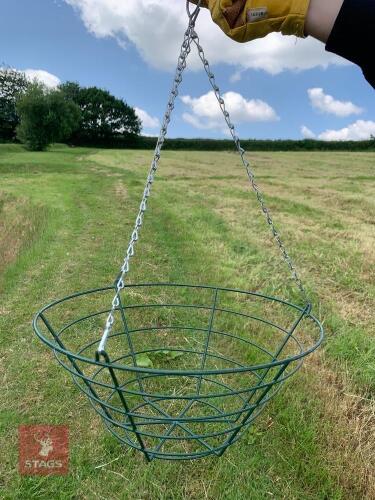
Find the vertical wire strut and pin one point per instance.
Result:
(208, 338)
(275, 357)
(118, 390)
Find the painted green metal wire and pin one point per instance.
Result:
(188, 368)
(180, 371)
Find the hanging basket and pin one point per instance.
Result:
(187, 368)
(180, 371)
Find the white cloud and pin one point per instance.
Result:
(307, 133)
(360, 130)
(206, 114)
(327, 104)
(236, 77)
(155, 27)
(357, 131)
(150, 135)
(147, 120)
(48, 79)
(197, 123)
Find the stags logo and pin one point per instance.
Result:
(43, 449)
(45, 443)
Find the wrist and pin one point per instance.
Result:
(320, 18)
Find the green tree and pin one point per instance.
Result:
(13, 84)
(46, 116)
(104, 117)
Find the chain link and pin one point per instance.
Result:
(189, 37)
(181, 65)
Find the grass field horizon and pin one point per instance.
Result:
(65, 220)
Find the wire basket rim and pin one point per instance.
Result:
(156, 371)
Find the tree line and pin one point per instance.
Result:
(38, 116)
(90, 116)
(143, 142)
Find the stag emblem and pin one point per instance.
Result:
(45, 444)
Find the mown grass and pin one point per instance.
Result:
(65, 220)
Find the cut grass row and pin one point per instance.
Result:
(203, 226)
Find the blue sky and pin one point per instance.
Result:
(274, 86)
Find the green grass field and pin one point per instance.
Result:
(65, 221)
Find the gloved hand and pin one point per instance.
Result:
(245, 20)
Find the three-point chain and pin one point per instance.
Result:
(190, 37)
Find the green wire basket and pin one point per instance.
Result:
(180, 371)
(187, 369)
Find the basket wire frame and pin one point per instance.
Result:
(180, 371)
(215, 360)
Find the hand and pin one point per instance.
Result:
(245, 20)
(204, 3)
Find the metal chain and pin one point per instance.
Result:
(189, 37)
(247, 166)
(181, 65)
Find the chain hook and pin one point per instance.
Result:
(120, 280)
(193, 15)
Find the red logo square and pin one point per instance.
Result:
(43, 449)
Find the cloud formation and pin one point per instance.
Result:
(147, 120)
(360, 130)
(307, 133)
(48, 79)
(155, 28)
(206, 114)
(327, 104)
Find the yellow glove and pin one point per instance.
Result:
(245, 20)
